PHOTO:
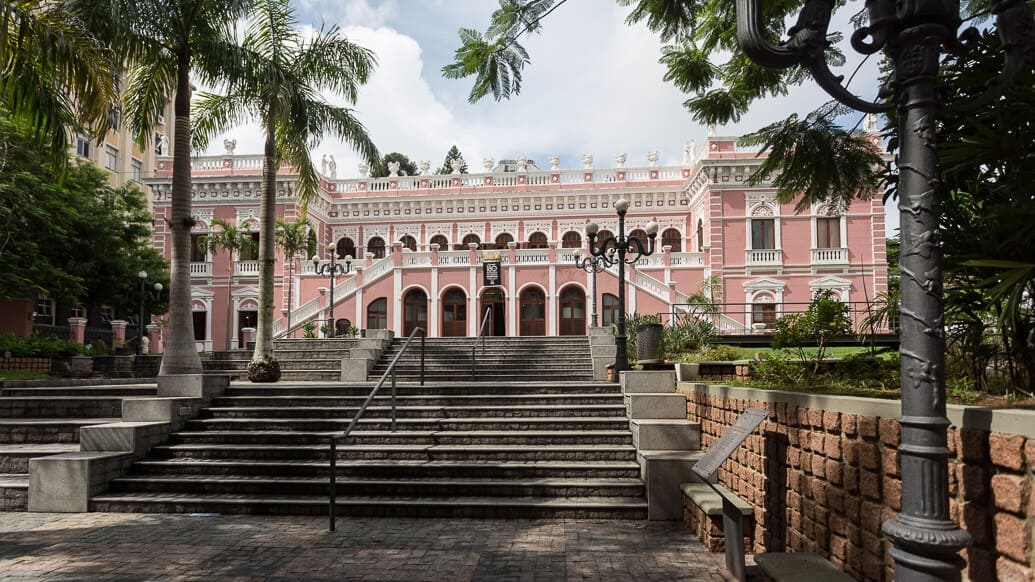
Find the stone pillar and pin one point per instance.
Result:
(118, 333)
(473, 249)
(154, 334)
(512, 253)
(434, 253)
(553, 255)
(397, 253)
(78, 329)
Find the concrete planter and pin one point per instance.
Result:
(648, 343)
(114, 366)
(72, 366)
(687, 372)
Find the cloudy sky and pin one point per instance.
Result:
(594, 86)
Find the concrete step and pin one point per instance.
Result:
(432, 488)
(489, 377)
(60, 407)
(14, 458)
(445, 424)
(480, 507)
(414, 452)
(384, 399)
(437, 412)
(83, 391)
(401, 469)
(367, 437)
(284, 388)
(14, 492)
(45, 430)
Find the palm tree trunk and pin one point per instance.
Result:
(229, 300)
(264, 366)
(181, 355)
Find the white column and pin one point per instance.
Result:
(433, 330)
(551, 303)
(358, 321)
(512, 302)
(630, 296)
(208, 325)
(397, 314)
(473, 321)
(233, 323)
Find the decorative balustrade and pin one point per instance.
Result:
(764, 258)
(375, 271)
(532, 257)
(454, 258)
(829, 256)
(201, 269)
(687, 259)
(419, 259)
(246, 268)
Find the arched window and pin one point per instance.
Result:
(604, 234)
(700, 235)
(533, 311)
(409, 242)
(415, 311)
(571, 240)
(377, 314)
(672, 238)
(441, 241)
(502, 239)
(763, 228)
(537, 241)
(471, 238)
(454, 313)
(572, 303)
(763, 310)
(346, 248)
(640, 235)
(376, 247)
(609, 309)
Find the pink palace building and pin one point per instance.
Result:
(419, 243)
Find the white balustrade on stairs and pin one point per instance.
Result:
(419, 259)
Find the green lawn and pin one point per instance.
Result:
(835, 352)
(18, 375)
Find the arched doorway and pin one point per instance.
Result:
(501, 241)
(454, 313)
(533, 311)
(441, 241)
(571, 240)
(469, 240)
(415, 311)
(376, 247)
(672, 238)
(409, 242)
(346, 248)
(493, 300)
(609, 309)
(377, 314)
(537, 240)
(572, 305)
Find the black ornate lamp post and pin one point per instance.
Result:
(146, 297)
(623, 251)
(332, 269)
(912, 33)
(592, 265)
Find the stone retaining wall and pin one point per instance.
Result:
(34, 365)
(823, 474)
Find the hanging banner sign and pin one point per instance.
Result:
(491, 273)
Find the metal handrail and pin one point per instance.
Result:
(333, 481)
(481, 334)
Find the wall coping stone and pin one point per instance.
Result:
(1001, 420)
(709, 500)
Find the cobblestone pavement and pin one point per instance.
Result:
(123, 546)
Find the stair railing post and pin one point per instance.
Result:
(423, 334)
(332, 489)
(393, 398)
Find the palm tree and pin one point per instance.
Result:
(167, 40)
(293, 239)
(234, 241)
(54, 74)
(281, 91)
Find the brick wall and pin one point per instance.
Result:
(35, 365)
(823, 475)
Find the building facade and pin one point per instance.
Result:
(421, 243)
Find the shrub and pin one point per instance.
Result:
(38, 346)
(690, 335)
(825, 319)
(778, 369)
(309, 330)
(720, 353)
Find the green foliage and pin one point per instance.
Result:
(687, 336)
(793, 145)
(720, 353)
(447, 166)
(825, 319)
(71, 236)
(39, 346)
(859, 374)
(309, 330)
(406, 166)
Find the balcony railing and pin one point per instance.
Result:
(201, 269)
(829, 256)
(246, 268)
(764, 258)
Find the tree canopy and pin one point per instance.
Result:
(447, 165)
(77, 240)
(407, 167)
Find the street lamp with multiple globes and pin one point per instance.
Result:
(146, 297)
(593, 265)
(332, 269)
(912, 34)
(622, 251)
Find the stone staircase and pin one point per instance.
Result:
(38, 420)
(300, 359)
(465, 449)
(497, 359)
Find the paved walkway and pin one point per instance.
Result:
(115, 546)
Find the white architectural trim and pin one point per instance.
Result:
(832, 283)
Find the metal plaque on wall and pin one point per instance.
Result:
(491, 273)
(730, 440)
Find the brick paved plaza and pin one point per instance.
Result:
(110, 546)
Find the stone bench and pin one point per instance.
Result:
(799, 567)
(702, 513)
